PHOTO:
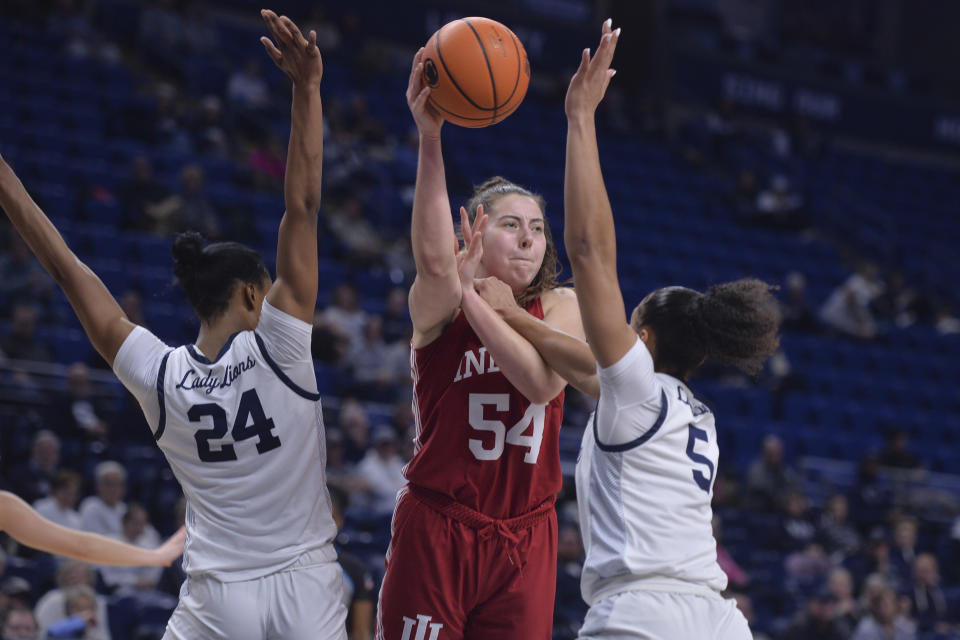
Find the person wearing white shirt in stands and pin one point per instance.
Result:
(103, 512)
(61, 505)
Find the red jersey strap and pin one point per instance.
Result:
(485, 525)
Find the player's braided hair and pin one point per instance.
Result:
(487, 194)
(734, 323)
(210, 274)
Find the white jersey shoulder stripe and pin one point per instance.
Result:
(626, 446)
(303, 393)
(162, 421)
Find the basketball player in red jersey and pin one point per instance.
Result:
(474, 538)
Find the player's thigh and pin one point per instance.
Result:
(307, 604)
(651, 615)
(731, 623)
(212, 610)
(519, 606)
(428, 576)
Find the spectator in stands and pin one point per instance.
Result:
(103, 513)
(328, 34)
(874, 561)
(945, 321)
(382, 470)
(209, 136)
(33, 479)
(896, 454)
(340, 472)
(779, 207)
(19, 624)
(818, 621)
(900, 305)
(61, 505)
(137, 531)
(344, 315)
(147, 203)
(368, 362)
(82, 620)
(847, 610)
(21, 343)
(883, 621)
(197, 33)
(396, 317)
(22, 279)
(362, 244)
(161, 26)
(870, 499)
(267, 162)
(52, 607)
(359, 591)
(929, 604)
(847, 310)
(768, 476)
(904, 551)
(247, 89)
(839, 536)
(355, 425)
(194, 210)
(737, 578)
(17, 591)
(77, 412)
(797, 313)
(169, 121)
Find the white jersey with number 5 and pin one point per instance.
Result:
(644, 485)
(244, 437)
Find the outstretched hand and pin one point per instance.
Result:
(427, 119)
(469, 257)
(298, 57)
(589, 84)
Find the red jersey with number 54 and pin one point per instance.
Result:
(479, 440)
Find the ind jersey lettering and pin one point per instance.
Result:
(479, 440)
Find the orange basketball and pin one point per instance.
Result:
(477, 71)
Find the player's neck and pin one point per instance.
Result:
(213, 336)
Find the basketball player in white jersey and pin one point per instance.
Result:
(649, 456)
(237, 414)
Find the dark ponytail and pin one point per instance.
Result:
(735, 323)
(208, 275)
(487, 194)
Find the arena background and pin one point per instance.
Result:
(811, 143)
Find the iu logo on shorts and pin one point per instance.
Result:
(422, 624)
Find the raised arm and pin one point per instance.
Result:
(29, 528)
(435, 293)
(103, 320)
(295, 290)
(563, 351)
(588, 220)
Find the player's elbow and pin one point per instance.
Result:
(541, 393)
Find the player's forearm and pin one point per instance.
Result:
(431, 228)
(567, 355)
(303, 178)
(588, 219)
(34, 227)
(519, 361)
(29, 528)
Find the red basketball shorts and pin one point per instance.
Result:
(454, 573)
